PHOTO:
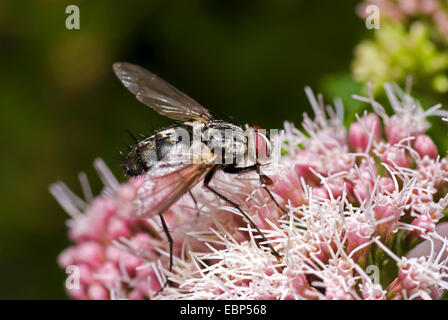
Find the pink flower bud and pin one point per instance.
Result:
(91, 225)
(399, 158)
(135, 295)
(126, 192)
(305, 160)
(358, 232)
(335, 291)
(85, 274)
(394, 156)
(263, 213)
(429, 6)
(391, 214)
(372, 291)
(337, 187)
(425, 146)
(117, 228)
(395, 130)
(67, 257)
(142, 285)
(387, 184)
(113, 254)
(142, 244)
(90, 253)
(97, 292)
(359, 132)
(410, 7)
(441, 20)
(130, 262)
(79, 293)
(154, 283)
(288, 190)
(107, 274)
(142, 241)
(125, 195)
(320, 192)
(408, 274)
(360, 190)
(424, 221)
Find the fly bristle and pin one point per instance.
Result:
(133, 137)
(122, 156)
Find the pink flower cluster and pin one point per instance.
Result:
(435, 11)
(119, 256)
(96, 228)
(357, 203)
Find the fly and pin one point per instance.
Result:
(158, 155)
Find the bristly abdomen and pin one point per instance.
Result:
(146, 153)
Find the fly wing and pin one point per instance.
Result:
(164, 185)
(159, 94)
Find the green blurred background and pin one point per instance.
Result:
(61, 106)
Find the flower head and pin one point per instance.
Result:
(354, 203)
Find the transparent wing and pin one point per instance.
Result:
(159, 94)
(164, 185)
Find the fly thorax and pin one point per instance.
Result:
(226, 141)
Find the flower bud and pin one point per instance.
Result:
(117, 228)
(425, 146)
(90, 253)
(360, 131)
(395, 130)
(425, 222)
(97, 292)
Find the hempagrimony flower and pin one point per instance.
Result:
(364, 219)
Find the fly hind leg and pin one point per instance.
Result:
(207, 180)
(170, 240)
(264, 179)
(195, 202)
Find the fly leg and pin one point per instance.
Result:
(264, 179)
(207, 180)
(195, 201)
(170, 240)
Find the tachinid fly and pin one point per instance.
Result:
(175, 161)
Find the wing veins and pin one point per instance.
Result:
(159, 94)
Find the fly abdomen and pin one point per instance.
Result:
(163, 145)
(149, 151)
(141, 158)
